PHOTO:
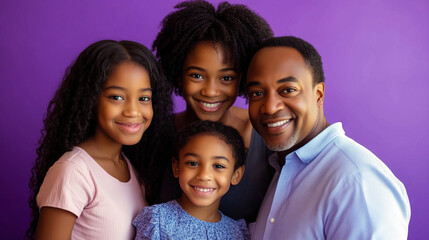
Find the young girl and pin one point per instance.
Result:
(209, 157)
(203, 52)
(107, 99)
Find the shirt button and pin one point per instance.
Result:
(272, 220)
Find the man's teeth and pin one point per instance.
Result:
(276, 124)
(210, 105)
(203, 189)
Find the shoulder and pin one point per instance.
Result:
(237, 228)
(238, 118)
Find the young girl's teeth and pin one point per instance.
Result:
(210, 105)
(276, 124)
(203, 189)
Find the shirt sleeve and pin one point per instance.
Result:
(68, 186)
(368, 206)
(147, 224)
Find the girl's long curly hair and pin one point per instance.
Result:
(236, 28)
(71, 114)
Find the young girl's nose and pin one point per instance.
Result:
(210, 88)
(131, 109)
(204, 174)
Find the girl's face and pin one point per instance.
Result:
(206, 170)
(210, 86)
(124, 108)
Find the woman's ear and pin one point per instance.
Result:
(237, 175)
(175, 165)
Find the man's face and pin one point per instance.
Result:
(285, 107)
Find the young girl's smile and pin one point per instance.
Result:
(125, 105)
(205, 170)
(209, 84)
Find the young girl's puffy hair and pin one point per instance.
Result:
(71, 114)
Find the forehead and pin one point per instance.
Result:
(276, 63)
(207, 144)
(207, 52)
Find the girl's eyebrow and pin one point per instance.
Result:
(214, 157)
(124, 89)
(203, 70)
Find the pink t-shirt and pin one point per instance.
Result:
(105, 207)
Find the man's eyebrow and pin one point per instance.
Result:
(283, 80)
(287, 79)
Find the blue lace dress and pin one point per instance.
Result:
(169, 221)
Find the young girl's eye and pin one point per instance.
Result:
(145, 99)
(227, 78)
(219, 166)
(116, 98)
(196, 75)
(191, 163)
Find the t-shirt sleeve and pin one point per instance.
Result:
(147, 224)
(67, 186)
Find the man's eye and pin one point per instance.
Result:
(255, 94)
(289, 90)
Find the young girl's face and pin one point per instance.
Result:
(124, 108)
(206, 170)
(210, 86)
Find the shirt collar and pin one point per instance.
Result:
(309, 151)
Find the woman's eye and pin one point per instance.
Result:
(144, 99)
(196, 75)
(116, 98)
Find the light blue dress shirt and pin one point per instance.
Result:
(333, 188)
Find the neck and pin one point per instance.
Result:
(204, 213)
(99, 148)
(320, 125)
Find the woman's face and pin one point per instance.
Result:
(210, 86)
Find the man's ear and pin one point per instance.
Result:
(320, 93)
(237, 175)
(175, 165)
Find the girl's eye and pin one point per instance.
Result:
(227, 78)
(190, 163)
(219, 166)
(116, 98)
(145, 99)
(196, 75)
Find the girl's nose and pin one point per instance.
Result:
(204, 174)
(210, 88)
(131, 109)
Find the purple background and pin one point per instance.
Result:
(375, 54)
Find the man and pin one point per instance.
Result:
(326, 185)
